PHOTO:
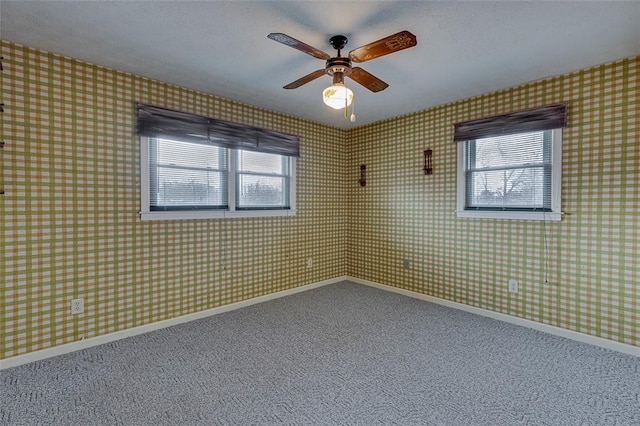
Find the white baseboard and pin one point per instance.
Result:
(556, 331)
(99, 340)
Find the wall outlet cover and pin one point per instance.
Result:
(77, 306)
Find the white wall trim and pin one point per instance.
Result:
(99, 340)
(550, 329)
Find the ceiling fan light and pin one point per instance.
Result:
(335, 95)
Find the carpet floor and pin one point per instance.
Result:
(343, 354)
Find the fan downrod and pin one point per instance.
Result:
(338, 66)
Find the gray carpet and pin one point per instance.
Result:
(340, 354)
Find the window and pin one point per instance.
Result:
(262, 181)
(184, 176)
(510, 167)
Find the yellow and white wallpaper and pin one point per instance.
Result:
(591, 258)
(70, 223)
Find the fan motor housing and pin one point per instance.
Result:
(338, 65)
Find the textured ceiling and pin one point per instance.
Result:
(220, 47)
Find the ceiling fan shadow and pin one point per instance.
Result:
(388, 12)
(298, 13)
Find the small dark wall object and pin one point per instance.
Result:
(363, 175)
(428, 168)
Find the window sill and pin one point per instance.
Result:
(213, 214)
(514, 215)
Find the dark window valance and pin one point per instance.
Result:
(543, 118)
(160, 122)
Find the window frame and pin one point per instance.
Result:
(147, 214)
(491, 213)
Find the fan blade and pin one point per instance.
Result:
(304, 80)
(368, 80)
(297, 44)
(384, 46)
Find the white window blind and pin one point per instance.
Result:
(263, 180)
(187, 176)
(509, 172)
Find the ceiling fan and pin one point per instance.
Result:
(339, 67)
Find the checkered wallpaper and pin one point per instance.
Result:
(70, 225)
(591, 257)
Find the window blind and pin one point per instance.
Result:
(510, 172)
(158, 122)
(263, 180)
(543, 118)
(187, 176)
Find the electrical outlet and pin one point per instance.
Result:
(310, 263)
(77, 306)
(407, 263)
(513, 286)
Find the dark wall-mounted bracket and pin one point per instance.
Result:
(363, 175)
(428, 167)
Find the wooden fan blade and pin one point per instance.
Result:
(304, 80)
(384, 46)
(368, 80)
(297, 44)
